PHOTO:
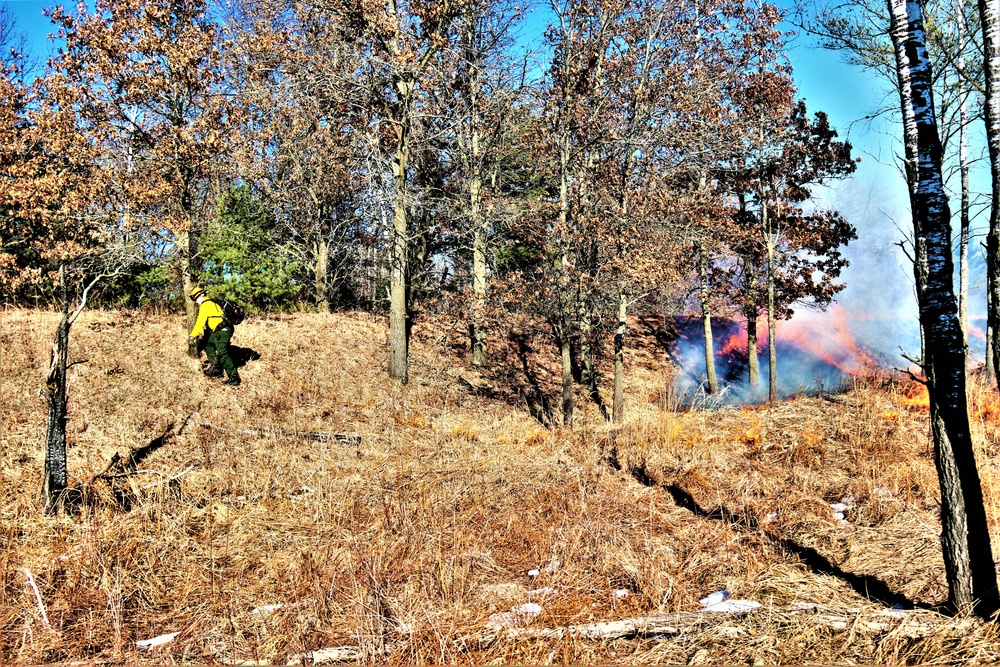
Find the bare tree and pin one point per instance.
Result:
(55, 476)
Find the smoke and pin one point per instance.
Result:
(872, 323)
(816, 352)
(879, 298)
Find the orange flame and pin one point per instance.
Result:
(826, 336)
(985, 405)
(915, 398)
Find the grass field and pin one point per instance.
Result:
(461, 530)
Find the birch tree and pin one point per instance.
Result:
(969, 567)
(854, 28)
(989, 16)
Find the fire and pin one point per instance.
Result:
(826, 336)
(829, 338)
(915, 398)
(985, 405)
(736, 344)
(753, 436)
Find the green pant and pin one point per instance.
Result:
(217, 349)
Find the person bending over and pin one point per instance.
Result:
(211, 318)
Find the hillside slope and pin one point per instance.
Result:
(256, 538)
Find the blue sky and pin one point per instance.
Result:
(29, 19)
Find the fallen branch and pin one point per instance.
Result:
(910, 624)
(319, 436)
(38, 598)
(322, 656)
(327, 655)
(123, 467)
(166, 480)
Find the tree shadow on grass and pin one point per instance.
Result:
(865, 585)
(533, 394)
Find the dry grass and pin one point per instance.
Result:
(406, 545)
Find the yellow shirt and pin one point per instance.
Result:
(209, 313)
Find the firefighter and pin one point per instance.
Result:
(210, 317)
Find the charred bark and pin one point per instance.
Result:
(54, 479)
(965, 535)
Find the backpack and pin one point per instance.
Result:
(232, 313)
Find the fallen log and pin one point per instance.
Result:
(907, 623)
(321, 656)
(318, 436)
(911, 624)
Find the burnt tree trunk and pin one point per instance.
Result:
(54, 479)
(968, 556)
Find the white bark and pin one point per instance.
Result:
(965, 533)
(989, 14)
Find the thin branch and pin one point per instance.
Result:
(38, 598)
(83, 297)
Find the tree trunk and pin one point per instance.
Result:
(963, 166)
(706, 316)
(772, 339)
(753, 364)
(563, 269)
(618, 401)
(567, 379)
(398, 287)
(187, 245)
(477, 319)
(989, 15)
(588, 374)
(965, 537)
(55, 475)
(991, 373)
(321, 251)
